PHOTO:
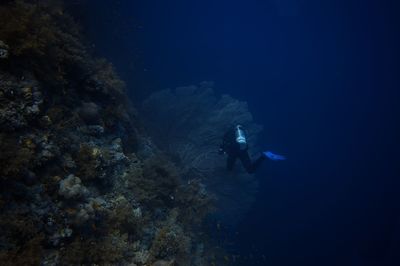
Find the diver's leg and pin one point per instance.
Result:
(250, 167)
(230, 162)
(258, 162)
(246, 162)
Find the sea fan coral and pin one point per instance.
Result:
(188, 123)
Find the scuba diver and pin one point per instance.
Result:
(234, 144)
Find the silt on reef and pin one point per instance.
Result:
(80, 182)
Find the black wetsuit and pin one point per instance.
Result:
(232, 149)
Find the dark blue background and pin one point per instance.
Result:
(323, 78)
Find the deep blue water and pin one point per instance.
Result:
(321, 76)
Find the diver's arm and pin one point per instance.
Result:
(222, 147)
(224, 144)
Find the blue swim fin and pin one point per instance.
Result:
(273, 156)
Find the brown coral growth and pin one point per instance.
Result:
(81, 182)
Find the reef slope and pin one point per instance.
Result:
(80, 181)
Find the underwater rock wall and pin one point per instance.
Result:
(80, 182)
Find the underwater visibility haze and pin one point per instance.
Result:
(260, 132)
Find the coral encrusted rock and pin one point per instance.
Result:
(72, 188)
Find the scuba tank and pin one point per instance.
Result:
(240, 137)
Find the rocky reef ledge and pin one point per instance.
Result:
(80, 181)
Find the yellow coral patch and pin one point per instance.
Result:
(28, 143)
(96, 152)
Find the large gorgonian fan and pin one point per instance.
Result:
(188, 124)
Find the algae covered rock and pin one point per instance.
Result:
(81, 182)
(3, 50)
(85, 213)
(90, 113)
(20, 102)
(163, 263)
(72, 188)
